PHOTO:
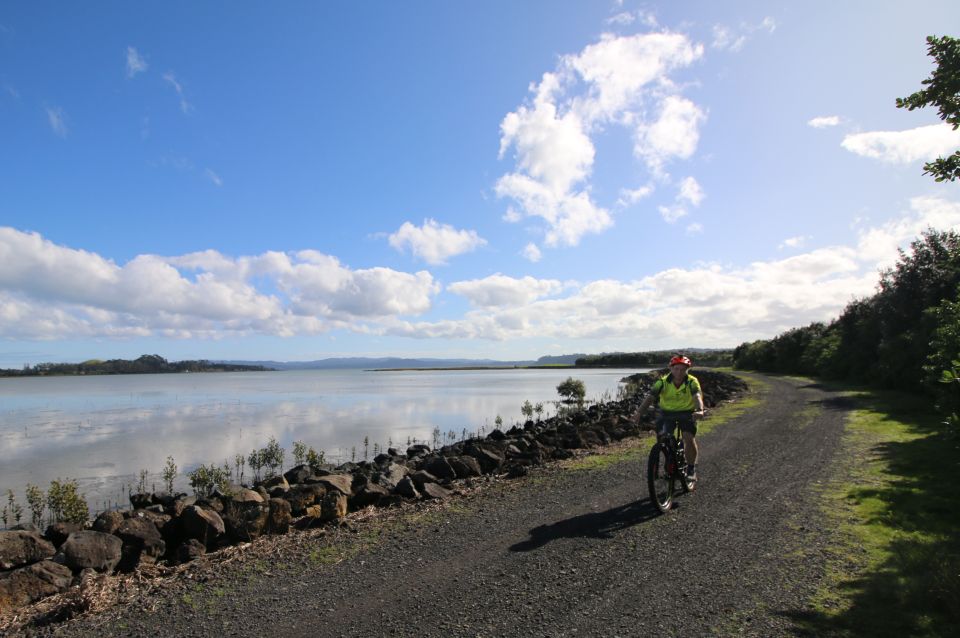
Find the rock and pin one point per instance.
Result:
(191, 550)
(421, 477)
(517, 470)
(407, 488)
(262, 492)
(25, 527)
(393, 475)
(276, 481)
(141, 501)
(95, 550)
(278, 491)
(164, 499)
(417, 450)
(22, 548)
(334, 506)
(303, 496)
(393, 451)
(142, 542)
(180, 504)
(57, 533)
(382, 459)
(497, 435)
(245, 521)
(244, 495)
(434, 491)
(298, 474)
(440, 467)
(29, 584)
(279, 518)
(202, 524)
(340, 482)
(465, 466)
(489, 458)
(369, 494)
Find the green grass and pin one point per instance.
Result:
(893, 566)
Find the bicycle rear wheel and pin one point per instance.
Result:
(659, 478)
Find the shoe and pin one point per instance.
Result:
(691, 475)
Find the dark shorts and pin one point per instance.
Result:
(668, 421)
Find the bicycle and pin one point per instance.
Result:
(666, 467)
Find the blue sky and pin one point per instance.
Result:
(482, 179)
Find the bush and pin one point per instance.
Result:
(206, 478)
(572, 391)
(65, 503)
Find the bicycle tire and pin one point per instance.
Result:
(681, 474)
(659, 480)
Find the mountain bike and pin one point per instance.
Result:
(667, 469)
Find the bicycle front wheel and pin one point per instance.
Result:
(660, 478)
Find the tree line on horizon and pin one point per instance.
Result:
(655, 358)
(145, 364)
(905, 337)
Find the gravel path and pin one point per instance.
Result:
(561, 553)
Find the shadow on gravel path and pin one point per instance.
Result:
(593, 525)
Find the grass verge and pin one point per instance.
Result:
(893, 564)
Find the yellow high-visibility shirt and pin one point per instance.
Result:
(674, 399)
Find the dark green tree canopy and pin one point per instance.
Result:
(942, 91)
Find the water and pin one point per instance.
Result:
(102, 430)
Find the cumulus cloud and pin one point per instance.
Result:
(617, 81)
(824, 121)
(80, 293)
(727, 38)
(57, 120)
(629, 197)
(499, 290)
(690, 192)
(135, 62)
(721, 304)
(794, 242)
(434, 242)
(171, 79)
(532, 253)
(695, 228)
(902, 147)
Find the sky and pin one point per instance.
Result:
(497, 179)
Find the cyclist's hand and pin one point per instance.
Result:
(699, 414)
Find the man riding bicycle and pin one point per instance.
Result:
(681, 403)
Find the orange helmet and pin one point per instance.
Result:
(682, 360)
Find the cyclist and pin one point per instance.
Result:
(681, 402)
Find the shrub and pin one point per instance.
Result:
(206, 478)
(65, 503)
(572, 391)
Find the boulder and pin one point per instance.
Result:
(142, 542)
(298, 474)
(29, 584)
(369, 494)
(421, 477)
(339, 482)
(57, 533)
(202, 524)
(497, 435)
(279, 518)
(417, 450)
(141, 501)
(164, 499)
(393, 475)
(245, 521)
(95, 550)
(176, 508)
(303, 496)
(22, 548)
(440, 467)
(517, 469)
(262, 492)
(276, 481)
(465, 466)
(244, 495)
(334, 506)
(191, 550)
(434, 491)
(25, 527)
(489, 458)
(406, 488)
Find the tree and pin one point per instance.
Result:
(943, 92)
(572, 391)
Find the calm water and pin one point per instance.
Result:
(103, 430)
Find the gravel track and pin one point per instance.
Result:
(561, 553)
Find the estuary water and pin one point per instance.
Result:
(103, 430)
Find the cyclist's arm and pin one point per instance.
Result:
(698, 400)
(647, 400)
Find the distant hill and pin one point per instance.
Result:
(388, 363)
(145, 364)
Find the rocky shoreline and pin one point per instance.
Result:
(165, 530)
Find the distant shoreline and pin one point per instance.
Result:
(559, 366)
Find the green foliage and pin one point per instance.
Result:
(65, 503)
(299, 452)
(269, 457)
(36, 501)
(169, 474)
(142, 482)
(527, 409)
(12, 511)
(206, 478)
(905, 336)
(653, 358)
(314, 458)
(146, 364)
(572, 391)
(538, 408)
(942, 91)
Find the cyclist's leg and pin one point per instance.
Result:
(689, 429)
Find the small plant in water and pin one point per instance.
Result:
(142, 482)
(498, 421)
(36, 502)
(169, 474)
(65, 502)
(206, 478)
(299, 452)
(527, 409)
(538, 408)
(315, 459)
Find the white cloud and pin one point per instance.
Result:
(671, 214)
(532, 253)
(629, 197)
(695, 228)
(901, 147)
(79, 293)
(171, 79)
(613, 82)
(135, 62)
(434, 242)
(213, 177)
(690, 192)
(726, 38)
(824, 121)
(499, 290)
(623, 18)
(794, 242)
(57, 120)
